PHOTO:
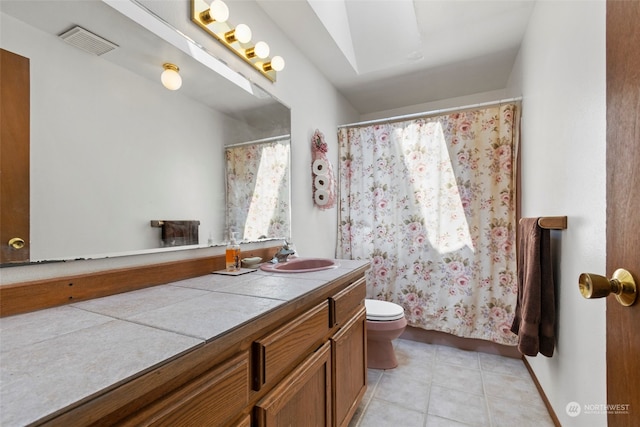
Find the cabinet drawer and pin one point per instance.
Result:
(212, 399)
(345, 302)
(289, 344)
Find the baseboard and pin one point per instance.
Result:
(552, 413)
(442, 338)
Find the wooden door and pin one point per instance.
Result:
(623, 205)
(14, 156)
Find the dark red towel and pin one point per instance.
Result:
(534, 321)
(179, 233)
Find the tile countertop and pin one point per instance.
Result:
(53, 358)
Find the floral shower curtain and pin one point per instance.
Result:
(432, 203)
(258, 189)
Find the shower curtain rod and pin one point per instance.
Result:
(259, 141)
(431, 113)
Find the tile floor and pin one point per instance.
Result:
(436, 386)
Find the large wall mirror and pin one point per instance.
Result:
(112, 150)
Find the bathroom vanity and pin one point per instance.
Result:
(260, 349)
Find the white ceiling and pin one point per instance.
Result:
(380, 54)
(386, 54)
(142, 52)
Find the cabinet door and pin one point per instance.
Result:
(303, 398)
(349, 354)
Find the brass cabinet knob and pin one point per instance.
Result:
(16, 243)
(621, 284)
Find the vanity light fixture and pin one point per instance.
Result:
(170, 77)
(212, 18)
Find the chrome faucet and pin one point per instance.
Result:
(283, 254)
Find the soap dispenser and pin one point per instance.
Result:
(232, 256)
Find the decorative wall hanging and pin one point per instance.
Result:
(322, 173)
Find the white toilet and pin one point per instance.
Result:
(385, 322)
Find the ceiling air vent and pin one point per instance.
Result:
(87, 41)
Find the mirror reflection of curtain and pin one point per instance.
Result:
(432, 203)
(258, 182)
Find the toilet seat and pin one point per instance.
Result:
(383, 310)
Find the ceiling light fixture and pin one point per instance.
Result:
(170, 77)
(212, 18)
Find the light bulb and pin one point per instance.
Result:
(170, 77)
(241, 33)
(276, 64)
(261, 50)
(218, 11)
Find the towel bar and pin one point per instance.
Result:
(160, 223)
(552, 222)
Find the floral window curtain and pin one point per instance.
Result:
(432, 203)
(258, 200)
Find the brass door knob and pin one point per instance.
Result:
(621, 284)
(16, 243)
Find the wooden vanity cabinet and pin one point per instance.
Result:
(303, 364)
(326, 388)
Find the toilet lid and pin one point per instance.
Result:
(383, 310)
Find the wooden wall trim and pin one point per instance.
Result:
(552, 413)
(40, 294)
(412, 333)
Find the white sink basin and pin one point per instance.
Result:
(301, 265)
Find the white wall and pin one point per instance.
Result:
(561, 74)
